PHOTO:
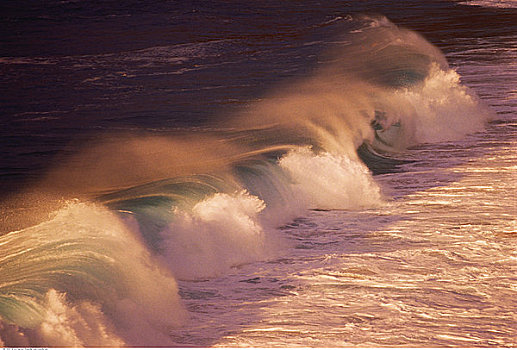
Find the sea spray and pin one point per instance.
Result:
(226, 230)
(102, 271)
(85, 263)
(329, 181)
(219, 232)
(440, 108)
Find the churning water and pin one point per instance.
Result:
(292, 174)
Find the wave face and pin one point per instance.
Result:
(84, 279)
(102, 270)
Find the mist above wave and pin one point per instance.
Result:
(102, 270)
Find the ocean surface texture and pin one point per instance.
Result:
(258, 173)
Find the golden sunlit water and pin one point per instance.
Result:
(435, 266)
(279, 174)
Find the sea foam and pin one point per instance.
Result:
(85, 265)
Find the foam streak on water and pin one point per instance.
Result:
(492, 3)
(434, 267)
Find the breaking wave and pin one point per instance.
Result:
(101, 270)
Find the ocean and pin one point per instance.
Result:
(258, 173)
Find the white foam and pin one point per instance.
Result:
(78, 325)
(439, 109)
(100, 285)
(329, 181)
(219, 232)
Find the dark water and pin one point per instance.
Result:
(185, 173)
(72, 69)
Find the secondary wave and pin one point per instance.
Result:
(148, 210)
